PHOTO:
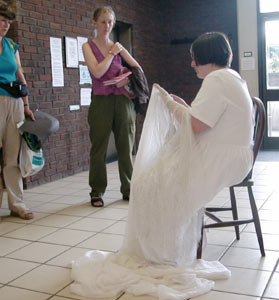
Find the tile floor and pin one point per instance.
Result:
(35, 255)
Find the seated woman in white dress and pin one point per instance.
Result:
(187, 154)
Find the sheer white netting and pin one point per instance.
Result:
(175, 175)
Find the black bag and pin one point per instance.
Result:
(16, 88)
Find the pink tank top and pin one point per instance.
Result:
(97, 83)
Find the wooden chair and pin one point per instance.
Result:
(260, 121)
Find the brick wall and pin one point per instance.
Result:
(155, 24)
(189, 19)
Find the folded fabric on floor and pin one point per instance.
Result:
(103, 275)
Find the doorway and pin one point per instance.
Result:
(122, 33)
(268, 16)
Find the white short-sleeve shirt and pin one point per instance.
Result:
(224, 104)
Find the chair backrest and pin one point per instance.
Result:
(260, 121)
(259, 127)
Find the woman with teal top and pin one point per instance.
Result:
(12, 111)
(109, 109)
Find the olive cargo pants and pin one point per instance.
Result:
(106, 114)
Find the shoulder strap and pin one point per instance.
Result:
(11, 43)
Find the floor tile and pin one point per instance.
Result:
(67, 293)
(78, 185)
(271, 227)
(110, 214)
(50, 207)
(120, 204)
(213, 252)
(31, 232)
(244, 281)
(70, 200)
(67, 190)
(218, 201)
(269, 215)
(6, 227)
(91, 224)
(16, 268)
(113, 195)
(219, 237)
(65, 259)
(57, 220)
(82, 193)
(249, 240)
(12, 293)
(271, 204)
(37, 216)
(32, 203)
(250, 259)
(66, 237)
(213, 295)
(78, 210)
(117, 228)
(272, 290)
(47, 279)
(132, 297)
(101, 241)
(59, 298)
(8, 245)
(39, 197)
(38, 252)
(245, 203)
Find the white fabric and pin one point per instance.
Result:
(175, 174)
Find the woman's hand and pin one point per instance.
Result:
(122, 82)
(179, 100)
(116, 48)
(28, 113)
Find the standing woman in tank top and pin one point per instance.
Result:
(109, 109)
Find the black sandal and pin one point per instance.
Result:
(96, 200)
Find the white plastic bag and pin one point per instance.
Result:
(30, 162)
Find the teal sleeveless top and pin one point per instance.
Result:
(8, 65)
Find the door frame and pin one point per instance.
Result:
(269, 143)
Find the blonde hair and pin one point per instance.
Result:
(103, 10)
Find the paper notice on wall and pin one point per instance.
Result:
(85, 96)
(84, 76)
(71, 48)
(56, 62)
(247, 63)
(81, 41)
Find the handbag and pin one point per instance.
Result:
(30, 162)
(16, 88)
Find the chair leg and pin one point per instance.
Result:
(234, 212)
(256, 220)
(199, 249)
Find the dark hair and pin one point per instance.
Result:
(212, 48)
(7, 11)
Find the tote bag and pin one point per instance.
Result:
(30, 162)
